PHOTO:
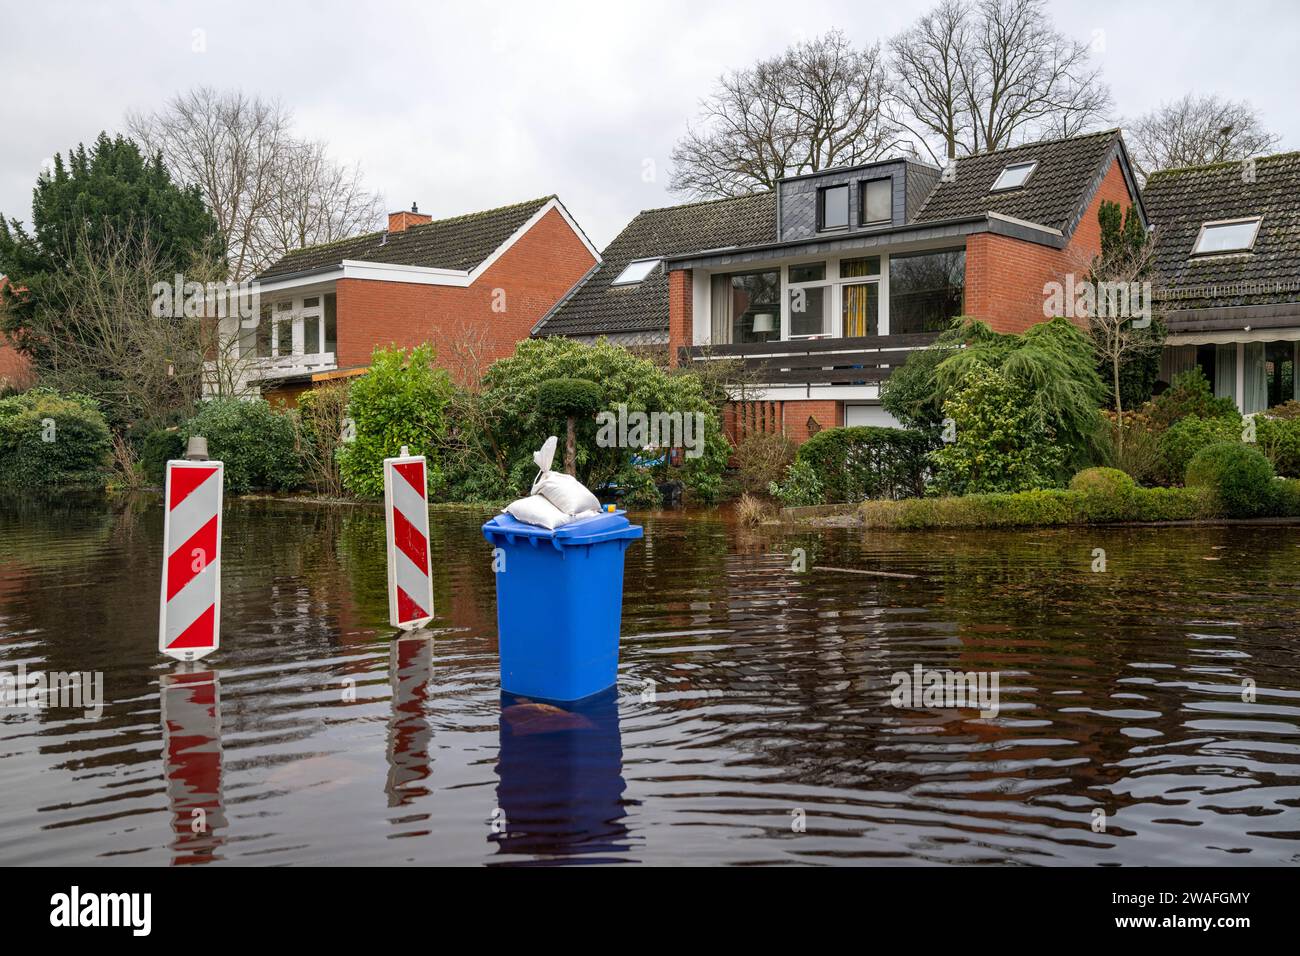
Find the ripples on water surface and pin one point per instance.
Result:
(312, 738)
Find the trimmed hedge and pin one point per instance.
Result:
(864, 462)
(1043, 508)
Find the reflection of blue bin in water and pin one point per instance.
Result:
(560, 604)
(561, 789)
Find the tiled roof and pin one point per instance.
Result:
(597, 307)
(1055, 195)
(458, 243)
(1178, 201)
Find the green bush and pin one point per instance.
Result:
(156, 449)
(258, 445)
(801, 486)
(1001, 444)
(1188, 394)
(402, 400)
(1287, 498)
(1187, 436)
(1107, 494)
(1240, 476)
(497, 428)
(52, 440)
(1279, 439)
(864, 462)
(1051, 364)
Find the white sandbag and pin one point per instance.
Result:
(537, 510)
(565, 492)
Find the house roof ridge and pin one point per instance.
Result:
(1221, 164)
(462, 217)
(708, 202)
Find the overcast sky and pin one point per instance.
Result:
(467, 105)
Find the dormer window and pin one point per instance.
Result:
(1014, 176)
(833, 207)
(636, 271)
(1227, 235)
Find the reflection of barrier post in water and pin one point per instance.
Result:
(191, 720)
(406, 512)
(561, 770)
(189, 621)
(409, 733)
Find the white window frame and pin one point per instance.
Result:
(834, 284)
(1215, 223)
(1033, 168)
(296, 316)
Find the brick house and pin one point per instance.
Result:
(1227, 261)
(472, 285)
(826, 282)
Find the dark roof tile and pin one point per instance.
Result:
(461, 243)
(1055, 195)
(597, 307)
(1179, 201)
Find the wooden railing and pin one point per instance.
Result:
(864, 360)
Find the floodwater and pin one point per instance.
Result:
(1148, 713)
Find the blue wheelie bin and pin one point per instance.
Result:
(560, 604)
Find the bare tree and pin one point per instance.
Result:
(817, 105)
(926, 61)
(1120, 286)
(1197, 130)
(269, 191)
(103, 339)
(972, 77)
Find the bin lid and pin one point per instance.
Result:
(605, 526)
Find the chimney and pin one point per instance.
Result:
(400, 221)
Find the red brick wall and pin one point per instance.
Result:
(532, 276)
(15, 369)
(828, 413)
(1005, 277)
(681, 309)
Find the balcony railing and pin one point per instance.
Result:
(290, 366)
(863, 360)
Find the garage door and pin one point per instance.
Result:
(869, 415)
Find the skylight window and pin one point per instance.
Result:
(636, 271)
(1014, 176)
(1235, 235)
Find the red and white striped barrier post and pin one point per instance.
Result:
(190, 618)
(406, 510)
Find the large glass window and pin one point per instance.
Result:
(746, 307)
(926, 290)
(833, 207)
(875, 202)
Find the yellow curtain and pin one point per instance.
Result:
(857, 310)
